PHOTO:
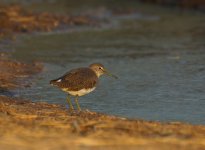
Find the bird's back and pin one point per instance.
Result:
(77, 79)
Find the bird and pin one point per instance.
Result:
(80, 81)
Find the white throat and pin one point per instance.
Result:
(98, 74)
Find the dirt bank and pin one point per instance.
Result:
(15, 19)
(28, 125)
(12, 72)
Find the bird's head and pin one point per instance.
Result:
(99, 69)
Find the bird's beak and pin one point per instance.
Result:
(109, 74)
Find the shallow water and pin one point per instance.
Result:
(158, 57)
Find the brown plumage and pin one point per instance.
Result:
(80, 81)
(77, 79)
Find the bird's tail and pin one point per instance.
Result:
(52, 82)
(55, 82)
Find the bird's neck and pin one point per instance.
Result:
(98, 74)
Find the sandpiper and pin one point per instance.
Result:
(80, 81)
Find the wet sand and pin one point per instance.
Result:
(28, 125)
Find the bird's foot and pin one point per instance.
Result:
(71, 110)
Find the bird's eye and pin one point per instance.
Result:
(100, 68)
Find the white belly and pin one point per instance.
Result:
(80, 92)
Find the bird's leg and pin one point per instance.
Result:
(69, 102)
(76, 101)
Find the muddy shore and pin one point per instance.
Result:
(28, 125)
(13, 72)
(16, 19)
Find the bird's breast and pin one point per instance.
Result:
(79, 92)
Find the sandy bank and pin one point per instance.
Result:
(15, 19)
(28, 125)
(13, 72)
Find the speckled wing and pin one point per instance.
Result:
(77, 79)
